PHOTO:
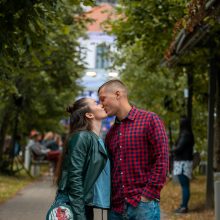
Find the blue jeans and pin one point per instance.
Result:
(144, 211)
(184, 182)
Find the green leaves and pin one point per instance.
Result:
(39, 60)
(144, 31)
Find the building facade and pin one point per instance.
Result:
(97, 48)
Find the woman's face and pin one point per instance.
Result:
(97, 109)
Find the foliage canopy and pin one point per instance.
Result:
(39, 63)
(144, 32)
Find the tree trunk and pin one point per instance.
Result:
(3, 131)
(213, 72)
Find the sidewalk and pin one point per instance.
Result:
(34, 201)
(30, 203)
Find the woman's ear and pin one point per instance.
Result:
(89, 115)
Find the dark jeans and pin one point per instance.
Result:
(89, 213)
(144, 211)
(184, 182)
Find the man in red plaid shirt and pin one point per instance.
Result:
(138, 148)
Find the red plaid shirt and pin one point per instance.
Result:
(138, 150)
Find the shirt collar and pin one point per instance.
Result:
(131, 115)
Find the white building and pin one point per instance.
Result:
(96, 49)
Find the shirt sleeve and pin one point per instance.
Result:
(158, 141)
(78, 150)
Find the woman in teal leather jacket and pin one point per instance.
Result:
(83, 176)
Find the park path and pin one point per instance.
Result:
(33, 201)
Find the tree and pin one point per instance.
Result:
(143, 33)
(39, 63)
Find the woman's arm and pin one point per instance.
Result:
(78, 146)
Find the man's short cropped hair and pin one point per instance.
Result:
(113, 82)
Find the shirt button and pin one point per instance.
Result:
(121, 173)
(120, 134)
(120, 146)
(123, 186)
(120, 159)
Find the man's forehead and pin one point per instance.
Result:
(102, 94)
(108, 89)
(103, 91)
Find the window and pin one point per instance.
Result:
(102, 56)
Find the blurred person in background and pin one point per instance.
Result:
(41, 152)
(183, 161)
(50, 141)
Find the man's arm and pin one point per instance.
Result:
(158, 140)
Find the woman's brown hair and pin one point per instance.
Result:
(78, 122)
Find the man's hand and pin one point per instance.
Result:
(144, 199)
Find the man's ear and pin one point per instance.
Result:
(89, 115)
(118, 94)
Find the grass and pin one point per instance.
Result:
(171, 197)
(10, 185)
